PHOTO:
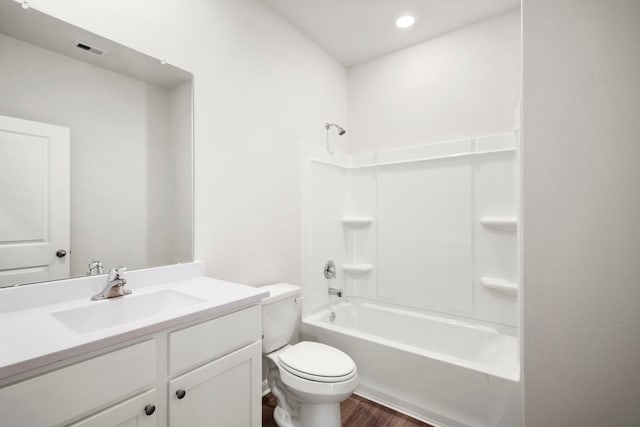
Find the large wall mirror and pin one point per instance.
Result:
(95, 153)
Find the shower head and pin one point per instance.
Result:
(341, 130)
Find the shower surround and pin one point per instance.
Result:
(425, 237)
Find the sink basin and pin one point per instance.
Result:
(111, 312)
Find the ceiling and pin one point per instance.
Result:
(354, 31)
(45, 31)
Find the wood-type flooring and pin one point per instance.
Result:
(356, 412)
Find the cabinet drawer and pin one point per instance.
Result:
(69, 392)
(139, 411)
(198, 344)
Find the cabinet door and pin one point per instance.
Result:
(225, 392)
(139, 411)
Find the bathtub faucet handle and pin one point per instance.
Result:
(329, 270)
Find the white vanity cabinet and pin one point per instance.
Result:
(213, 363)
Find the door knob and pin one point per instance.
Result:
(61, 253)
(150, 409)
(180, 394)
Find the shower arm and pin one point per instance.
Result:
(340, 129)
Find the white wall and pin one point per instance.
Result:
(581, 200)
(465, 83)
(121, 155)
(261, 89)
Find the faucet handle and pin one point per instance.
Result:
(116, 272)
(95, 268)
(329, 270)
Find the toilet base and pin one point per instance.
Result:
(282, 418)
(320, 415)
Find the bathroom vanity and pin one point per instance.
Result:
(182, 350)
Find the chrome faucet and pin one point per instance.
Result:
(115, 285)
(334, 291)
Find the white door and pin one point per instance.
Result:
(34, 201)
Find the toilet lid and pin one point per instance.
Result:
(317, 362)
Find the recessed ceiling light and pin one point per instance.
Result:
(405, 21)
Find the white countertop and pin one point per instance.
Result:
(31, 337)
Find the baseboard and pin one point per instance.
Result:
(396, 407)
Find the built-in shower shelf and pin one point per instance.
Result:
(357, 268)
(500, 285)
(357, 221)
(505, 223)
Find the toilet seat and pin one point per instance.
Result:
(317, 362)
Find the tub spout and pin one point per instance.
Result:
(334, 291)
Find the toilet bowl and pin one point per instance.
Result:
(308, 379)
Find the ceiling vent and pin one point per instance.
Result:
(87, 48)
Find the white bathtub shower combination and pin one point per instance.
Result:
(425, 243)
(440, 370)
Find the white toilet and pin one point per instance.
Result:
(308, 379)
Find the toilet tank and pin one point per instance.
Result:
(280, 313)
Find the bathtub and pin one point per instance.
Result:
(445, 372)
